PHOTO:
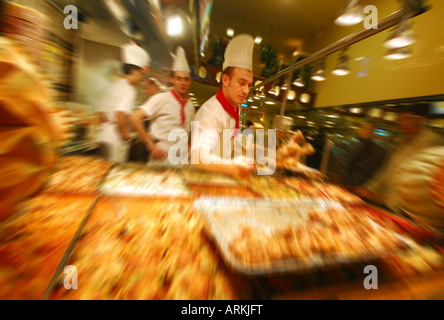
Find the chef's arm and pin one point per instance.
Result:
(102, 117)
(122, 123)
(211, 163)
(136, 120)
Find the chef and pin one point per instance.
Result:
(221, 113)
(118, 104)
(167, 111)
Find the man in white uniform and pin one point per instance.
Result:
(222, 111)
(166, 111)
(119, 103)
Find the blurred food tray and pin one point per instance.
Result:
(140, 180)
(283, 237)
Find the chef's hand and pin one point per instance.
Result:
(241, 171)
(157, 153)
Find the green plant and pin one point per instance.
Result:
(269, 58)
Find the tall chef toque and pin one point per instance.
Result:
(239, 52)
(181, 63)
(135, 55)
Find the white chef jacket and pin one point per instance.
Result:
(213, 117)
(164, 112)
(119, 97)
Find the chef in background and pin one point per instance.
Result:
(118, 104)
(166, 111)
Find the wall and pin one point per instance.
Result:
(420, 75)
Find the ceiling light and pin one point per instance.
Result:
(258, 40)
(230, 33)
(299, 82)
(352, 13)
(277, 91)
(401, 37)
(342, 68)
(272, 91)
(355, 110)
(253, 107)
(301, 117)
(305, 98)
(270, 103)
(291, 95)
(284, 87)
(250, 99)
(319, 74)
(262, 95)
(332, 116)
(398, 53)
(174, 26)
(191, 94)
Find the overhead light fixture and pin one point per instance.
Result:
(342, 68)
(262, 95)
(299, 82)
(174, 26)
(254, 107)
(355, 110)
(230, 33)
(398, 53)
(250, 99)
(277, 91)
(270, 103)
(256, 96)
(319, 74)
(305, 98)
(284, 87)
(191, 94)
(291, 95)
(401, 37)
(301, 117)
(258, 40)
(332, 116)
(352, 13)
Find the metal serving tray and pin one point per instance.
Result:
(224, 219)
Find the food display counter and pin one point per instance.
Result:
(149, 232)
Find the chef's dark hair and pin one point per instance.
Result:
(127, 68)
(228, 71)
(419, 109)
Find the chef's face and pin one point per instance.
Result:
(181, 81)
(136, 76)
(237, 85)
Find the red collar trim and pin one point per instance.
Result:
(233, 112)
(183, 103)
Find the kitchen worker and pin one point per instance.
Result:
(166, 111)
(119, 102)
(416, 136)
(222, 111)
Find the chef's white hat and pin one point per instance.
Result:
(239, 52)
(181, 63)
(135, 55)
